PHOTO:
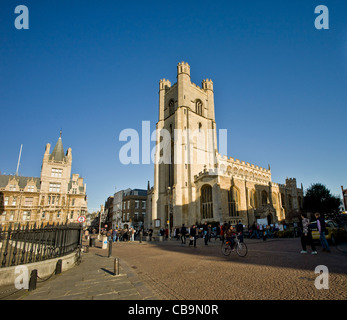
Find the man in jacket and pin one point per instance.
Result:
(192, 234)
(321, 228)
(183, 234)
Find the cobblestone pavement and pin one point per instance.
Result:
(272, 270)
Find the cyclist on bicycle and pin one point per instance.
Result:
(230, 235)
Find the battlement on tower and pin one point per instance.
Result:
(164, 84)
(207, 84)
(183, 68)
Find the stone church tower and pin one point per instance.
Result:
(193, 183)
(187, 118)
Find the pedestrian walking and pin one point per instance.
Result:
(239, 230)
(254, 231)
(114, 235)
(183, 234)
(322, 228)
(192, 236)
(205, 233)
(306, 235)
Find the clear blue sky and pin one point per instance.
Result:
(92, 69)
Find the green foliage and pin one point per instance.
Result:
(319, 199)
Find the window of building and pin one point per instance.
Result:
(3, 216)
(58, 215)
(31, 188)
(206, 202)
(143, 204)
(12, 216)
(128, 205)
(128, 216)
(43, 214)
(72, 202)
(136, 217)
(14, 201)
(198, 107)
(28, 202)
(6, 201)
(171, 107)
(137, 204)
(12, 187)
(54, 187)
(26, 215)
(264, 198)
(253, 199)
(71, 215)
(57, 172)
(233, 201)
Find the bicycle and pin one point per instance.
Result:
(241, 248)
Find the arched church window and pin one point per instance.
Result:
(233, 201)
(198, 107)
(264, 198)
(171, 107)
(253, 199)
(206, 202)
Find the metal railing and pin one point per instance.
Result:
(28, 244)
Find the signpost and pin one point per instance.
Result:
(81, 219)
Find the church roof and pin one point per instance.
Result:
(58, 152)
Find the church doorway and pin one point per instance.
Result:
(269, 219)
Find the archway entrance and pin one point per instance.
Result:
(269, 219)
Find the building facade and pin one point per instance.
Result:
(134, 203)
(54, 197)
(193, 183)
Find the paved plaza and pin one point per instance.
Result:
(272, 270)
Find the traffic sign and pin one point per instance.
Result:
(81, 219)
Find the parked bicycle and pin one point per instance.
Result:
(238, 246)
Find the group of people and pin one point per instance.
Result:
(306, 233)
(224, 232)
(185, 232)
(117, 234)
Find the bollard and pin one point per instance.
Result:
(116, 267)
(110, 248)
(58, 267)
(33, 280)
(140, 236)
